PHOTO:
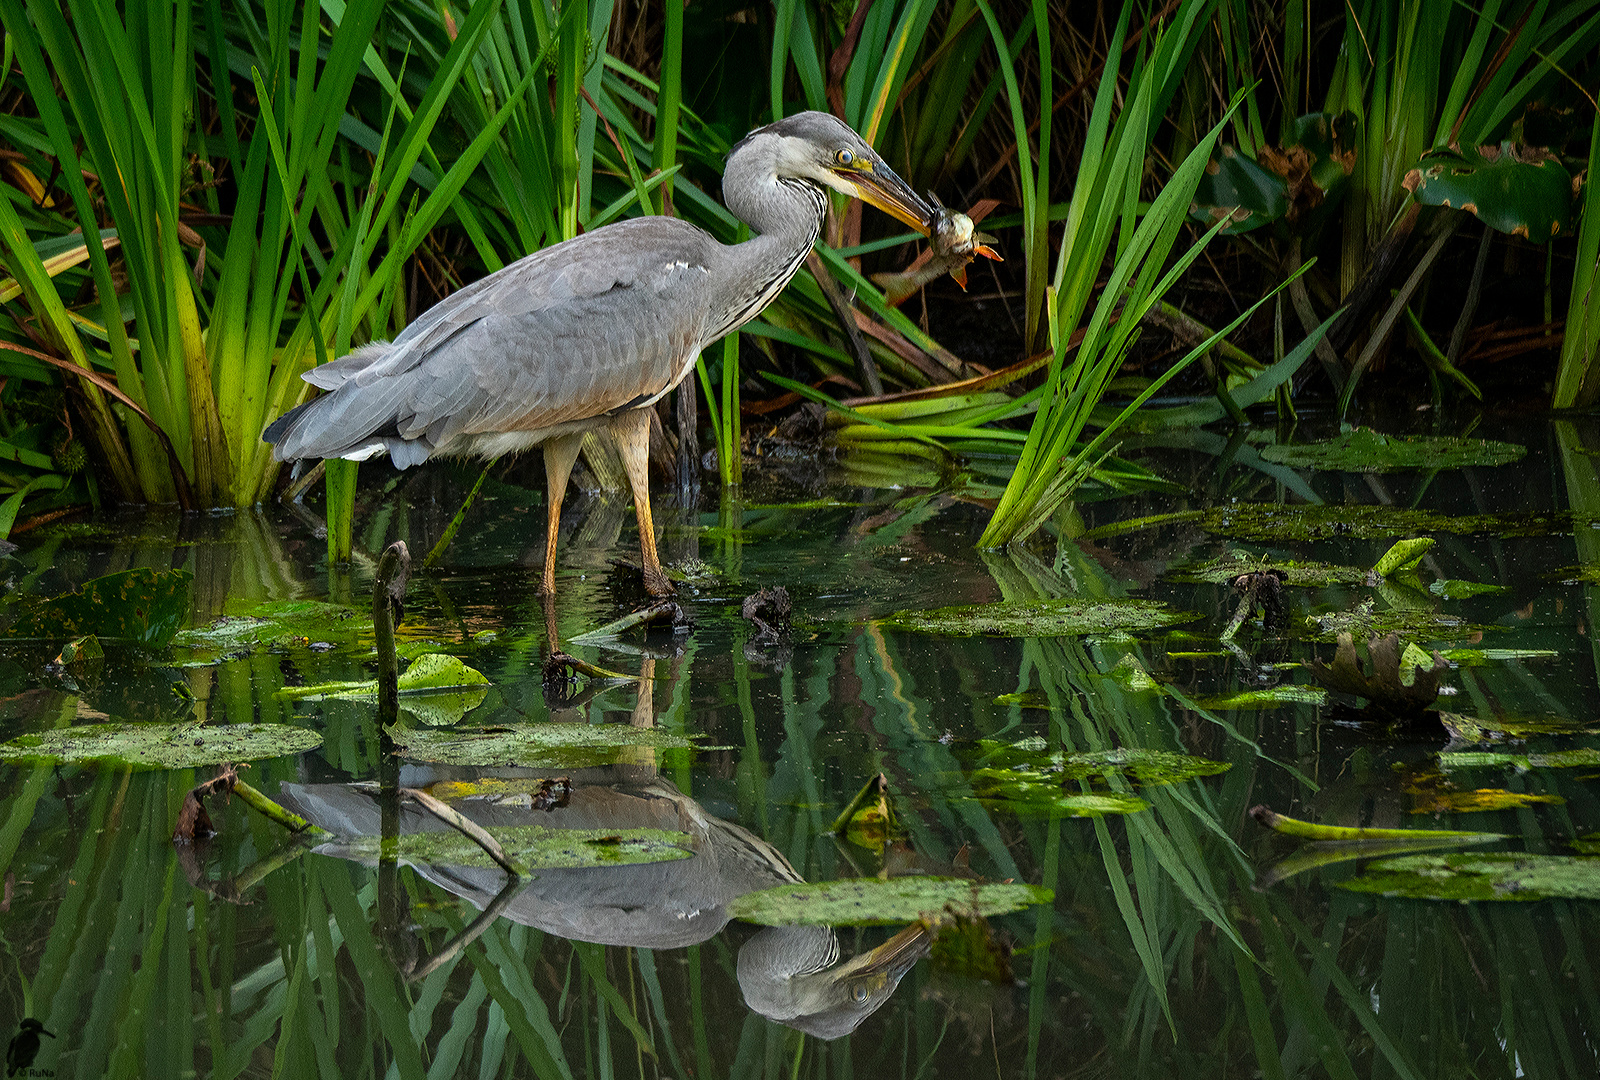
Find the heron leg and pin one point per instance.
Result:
(632, 431)
(559, 455)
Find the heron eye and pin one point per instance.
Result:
(858, 991)
(844, 157)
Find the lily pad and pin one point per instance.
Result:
(1145, 766)
(1042, 618)
(1474, 729)
(1267, 698)
(1364, 451)
(1021, 793)
(1521, 190)
(1486, 759)
(1403, 556)
(288, 622)
(543, 746)
(142, 606)
(873, 902)
(1483, 876)
(1223, 571)
(1299, 522)
(162, 746)
(531, 846)
(1366, 620)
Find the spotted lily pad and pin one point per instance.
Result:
(1367, 620)
(873, 902)
(1145, 766)
(1364, 451)
(1042, 618)
(1299, 522)
(161, 746)
(530, 846)
(543, 746)
(1483, 876)
(142, 606)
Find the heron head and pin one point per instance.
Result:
(821, 148)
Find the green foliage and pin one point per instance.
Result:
(1516, 190)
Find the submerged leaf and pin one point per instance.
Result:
(143, 606)
(1483, 876)
(1041, 618)
(872, 902)
(162, 746)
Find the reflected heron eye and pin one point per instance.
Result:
(844, 157)
(859, 990)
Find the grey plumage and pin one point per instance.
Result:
(579, 335)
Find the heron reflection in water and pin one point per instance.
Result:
(588, 334)
(791, 974)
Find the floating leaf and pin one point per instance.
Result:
(277, 622)
(142, 606)
(873, 902)
(1519, 190)
(1482, 876)
(1477, 800)
(1268, 698)
(531, 846)
(1323, 853)
(1280, 522)
(1485, 759)
(1402, 556)
(1223, 571)
(1031, 756)
(1365, 451)
(1477, 729)
(1452, 589)
(1364, 620)
(1041, 618)
(1037, 794)
(162, 746)
(543, 746)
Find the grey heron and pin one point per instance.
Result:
(589, 333)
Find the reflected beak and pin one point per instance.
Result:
(876, 183)
(895, 956)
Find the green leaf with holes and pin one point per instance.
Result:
(1519, 190)
(142, 606)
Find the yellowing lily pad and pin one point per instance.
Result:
(1042, 618)
(162, 746)
(531, 846)
(544, 746)
(1483, 876)
(873, 902)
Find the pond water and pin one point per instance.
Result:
(1183, 938)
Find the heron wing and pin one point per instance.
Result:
(571, 332)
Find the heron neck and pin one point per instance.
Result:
(786, 216)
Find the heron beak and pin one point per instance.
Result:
(876, 183)
(895, 956)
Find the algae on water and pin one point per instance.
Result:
(543, 746)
